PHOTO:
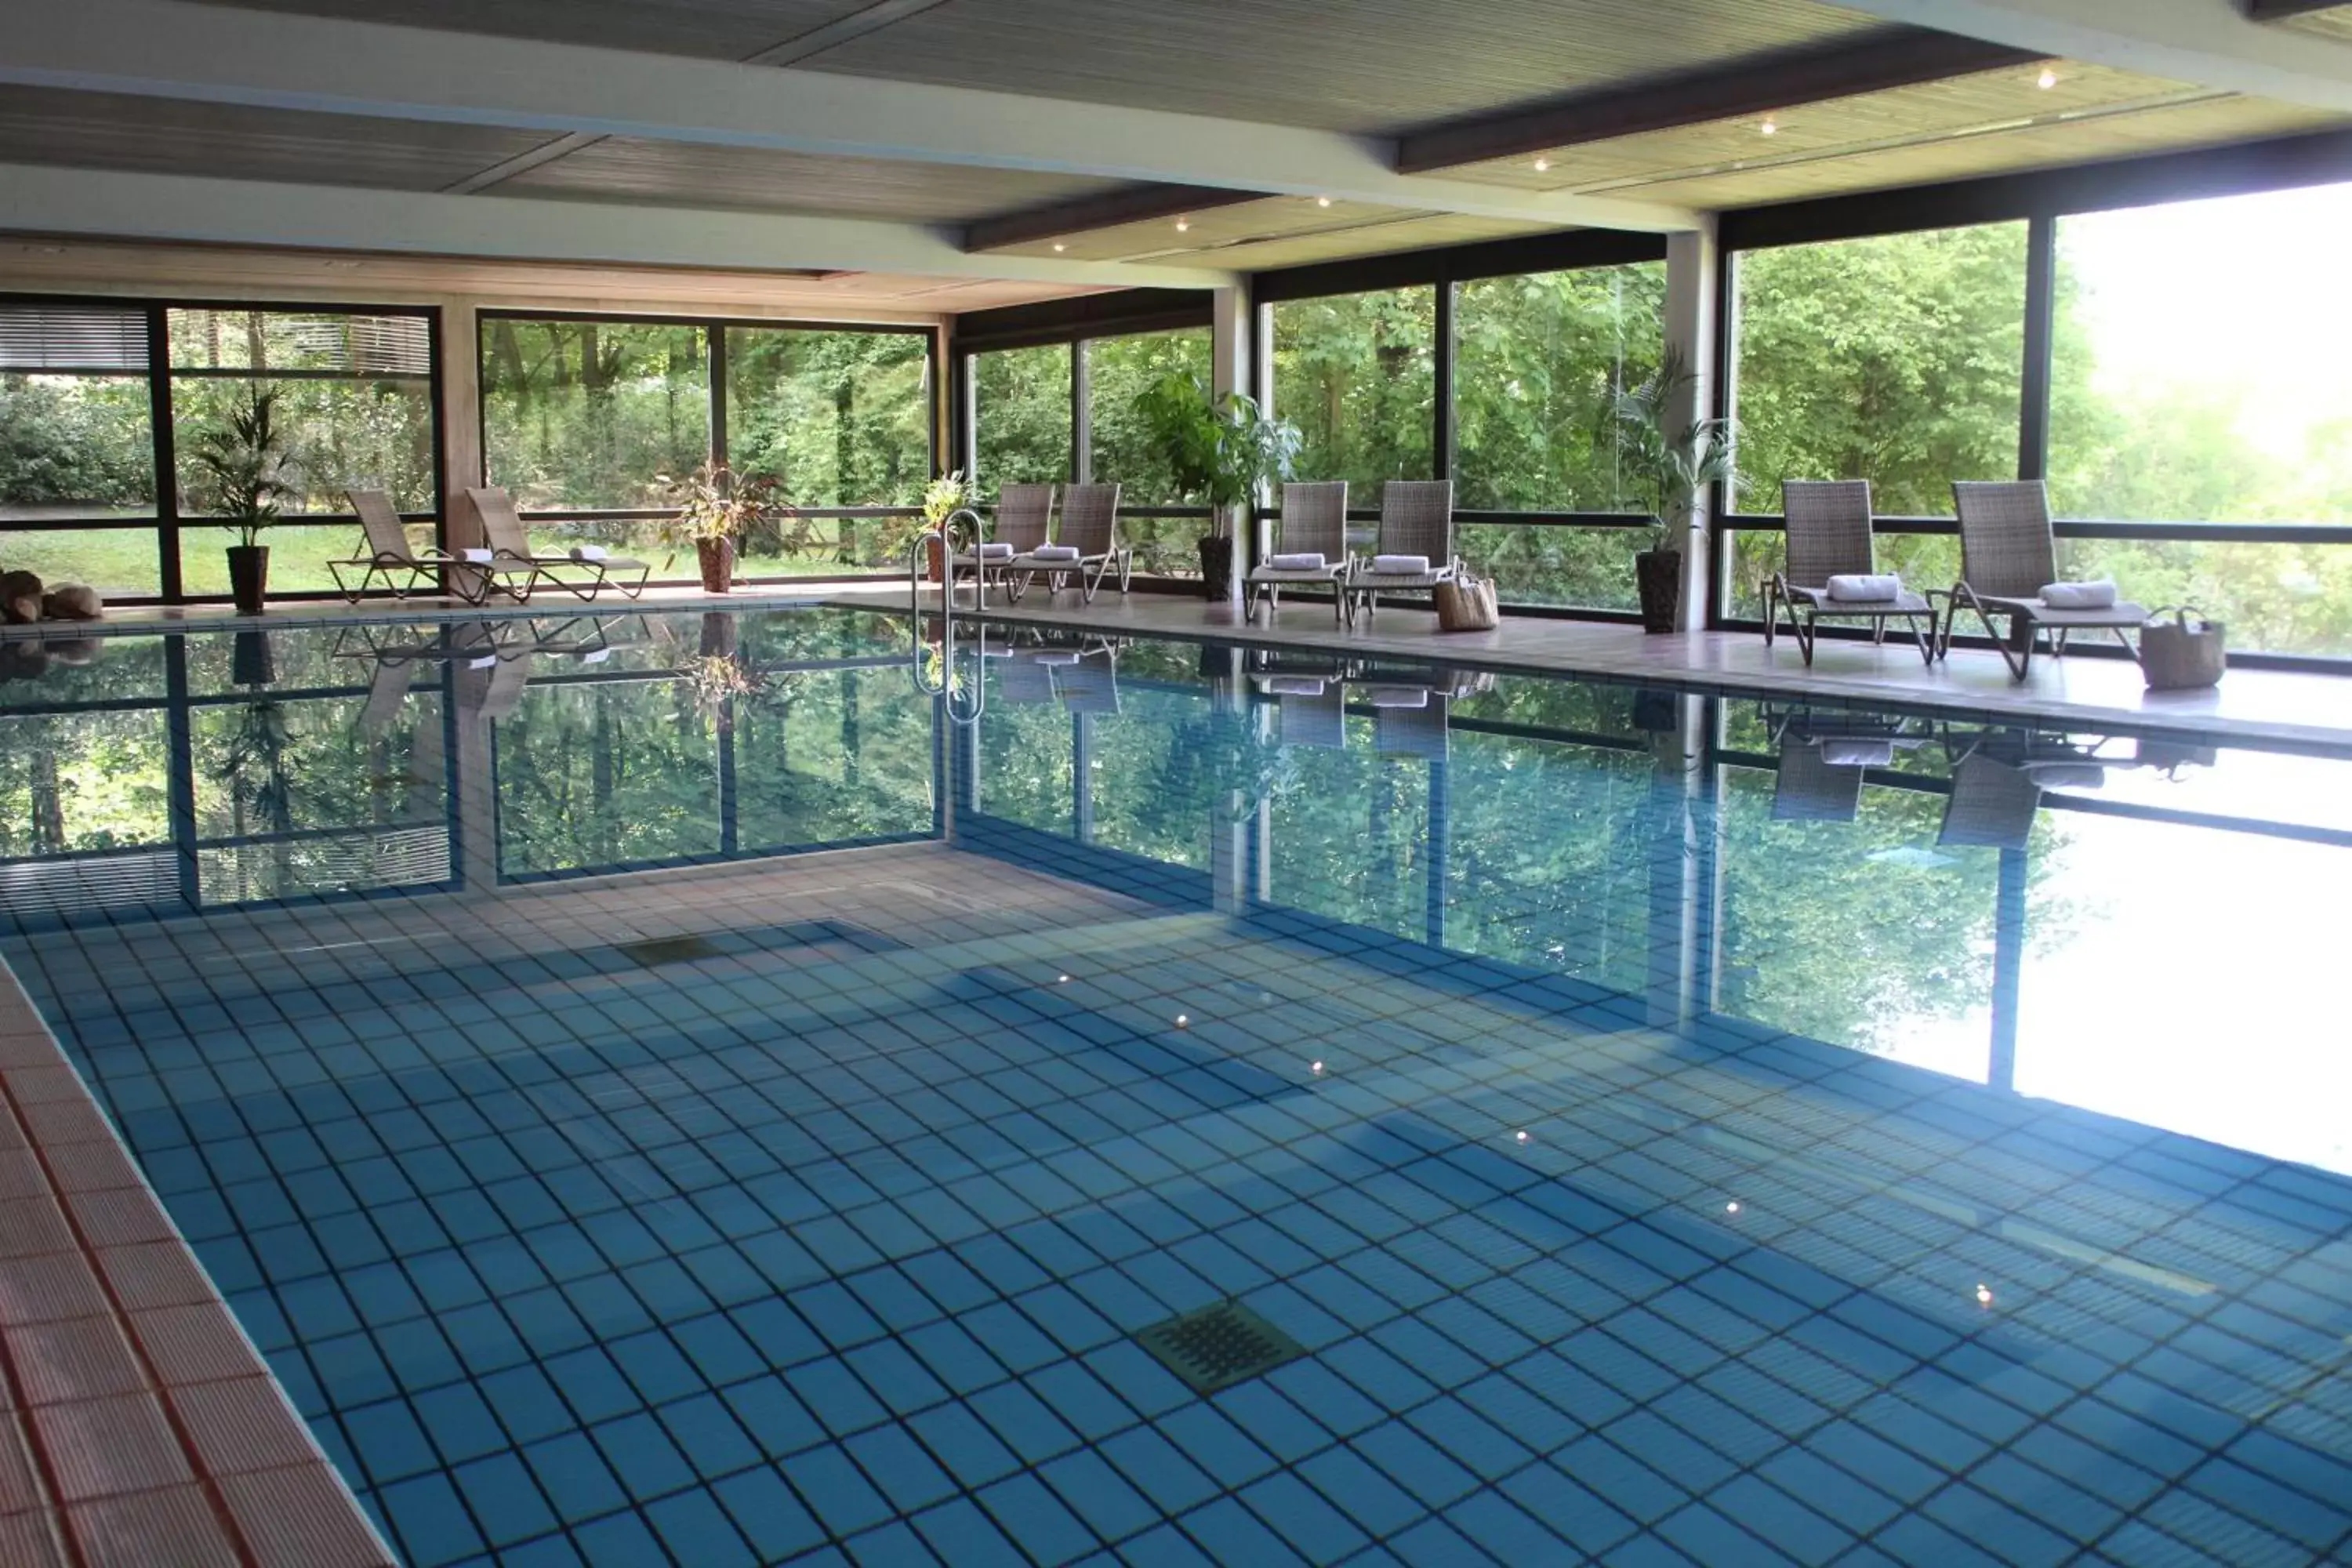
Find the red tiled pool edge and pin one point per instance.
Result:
(138, 1425)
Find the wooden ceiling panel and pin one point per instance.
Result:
(1368, 66)
(169, 136)
(2335, 24)
(1205, 234)
(2165, 129)
(706, 29)
(1420, 231)
(679, 173)
(1864, 122)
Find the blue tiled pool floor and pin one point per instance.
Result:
(831, 1248)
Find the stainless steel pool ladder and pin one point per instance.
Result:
(975, 696)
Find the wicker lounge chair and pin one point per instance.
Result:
(1314, 711)
(1416, 518)
(1314, 523)
(1829, 529)
(1088, 685)
(2008, 554)
(509, 546)
(1404, 727)
(1025, 515)
(1090, 527)
(404, 568)
(1811, 788)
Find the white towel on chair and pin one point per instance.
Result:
(474, 555)
(995, 549)
(1866, 587)
(595, 654)
(2098, 596)
(588, 552)
(1399, 565)
(1293, 686)
(2067, 775)
(1054, 553)
(1297, 561)
(1858, 753)
(1400, 695)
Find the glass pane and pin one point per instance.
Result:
(1895, 359)
(1587, 568)
(359, 345)
(1021, 414)
(1164, 546)
(338, 434)
(1537, 359)
(1118, 370)
(826, 757)
(590, 414)
(1357, 374)
(605, 774)
(120, 562)
(2181, 394)
(840, 418)
(75, 446)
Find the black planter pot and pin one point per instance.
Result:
(248, 576)
(1658, 574)
(1216, 566)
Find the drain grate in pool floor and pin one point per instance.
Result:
(669, 950)
(1215, 1347)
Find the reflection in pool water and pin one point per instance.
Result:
(825, 1228)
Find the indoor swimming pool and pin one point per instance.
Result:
(799, 1085)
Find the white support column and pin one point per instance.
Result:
(1694, 264)
(1231, 356)
(461, 419)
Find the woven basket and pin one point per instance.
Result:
(2182, 653)
(1466, 605)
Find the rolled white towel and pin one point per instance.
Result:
(996, 550)
(1054, 553)
(1400, 695)
(588, 552)
(2098, 596)
(1866, 586)
(1297, 561)
(1295, 686)
(485, 662)
(595, 654)
(1399, 565)
(474, 555)
(2067, 775)
(1851, 754)
(1058, 655)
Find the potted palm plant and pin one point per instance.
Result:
(715, 507)
(1221, 450)
(1667, 461)
(242, 464)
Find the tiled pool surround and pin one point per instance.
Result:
(833, 1244)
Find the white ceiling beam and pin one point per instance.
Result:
(102, 203)
(2207, 42)
(169, 49)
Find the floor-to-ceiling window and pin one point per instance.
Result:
(2200, 376)
(78, 498)
(1357, 374)
(2171, 370)
(1121, 449)
(1021, 418)
(1537, 359)
(1895, 359)
(593, 422)
(96, 488)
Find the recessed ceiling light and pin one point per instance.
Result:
(1771, 128)
(1059, 246)
(1322, 201)
(1543, 165)
(2046, 80)
(1183, 223)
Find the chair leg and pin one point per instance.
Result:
(1807, 630)
(1926, 639)
(1771, 609)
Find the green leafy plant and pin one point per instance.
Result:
(243, 466)
(1666, 459)
(715, 502)
(1221, 450)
